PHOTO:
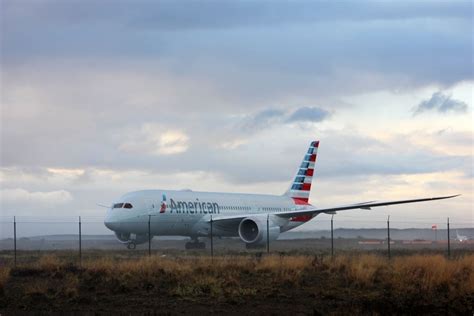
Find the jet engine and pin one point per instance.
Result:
(253, 231)
(131, 239)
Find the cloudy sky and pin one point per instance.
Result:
(99, 98)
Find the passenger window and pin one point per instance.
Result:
(128, 205)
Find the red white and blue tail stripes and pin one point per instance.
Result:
(301, 186)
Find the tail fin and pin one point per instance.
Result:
(301, 186)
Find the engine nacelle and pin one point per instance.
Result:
(253, 230)
(127, 238)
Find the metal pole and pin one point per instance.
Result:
(388, 236)
(149, 235)
(332, 236)
(268, 234)
(80, 241)
(449, 242)
(212, 242)
(14, 239)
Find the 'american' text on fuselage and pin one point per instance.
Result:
(196, 207)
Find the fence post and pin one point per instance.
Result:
(449, 242)
(388, 236)
(80, 242)
(149, 235)
(332, 236)
(212, 242)
(14, 240)
(268, 233)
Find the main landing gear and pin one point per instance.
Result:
(131, 245)
(195, 244)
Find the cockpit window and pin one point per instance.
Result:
(124, 205)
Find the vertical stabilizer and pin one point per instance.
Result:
(301, 185)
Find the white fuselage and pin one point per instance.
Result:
(187, 213)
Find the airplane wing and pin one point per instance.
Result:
(331, 210)
(366, 206)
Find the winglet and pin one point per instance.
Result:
(446, 197)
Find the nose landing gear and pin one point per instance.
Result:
(131, 245)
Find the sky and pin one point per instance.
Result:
(99, 98)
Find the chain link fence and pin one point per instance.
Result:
(25, 239)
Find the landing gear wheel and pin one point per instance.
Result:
(131, 245)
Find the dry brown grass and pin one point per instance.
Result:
(429, 273)
(283, 268)
(39, 286)
(4, 275)
(409, 273)
(49, 262)
(362, 270)
(240, 278)
(429, 270)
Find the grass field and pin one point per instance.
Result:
(275, 284)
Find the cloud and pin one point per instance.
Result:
(232, 144)
(21, 196)
(271, 117)
(263, 119)
(172, 142)
(97, 96)
(249, 50)
(308, 114)
(442, 103)
(209, 14)
(66, 173)
(156, 140)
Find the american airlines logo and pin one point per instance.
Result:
(163, 204)
(196, 207)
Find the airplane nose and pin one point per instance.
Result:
(111, 224)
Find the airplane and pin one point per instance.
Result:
(253, 218)
(461, 238)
